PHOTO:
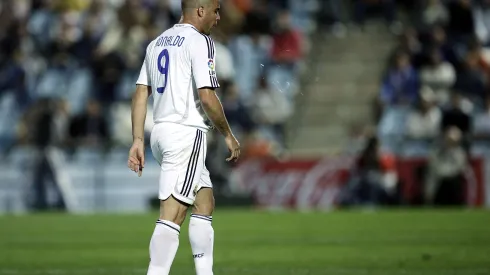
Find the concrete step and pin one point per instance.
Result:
(337, 74)
(332, 56)
(357, 48)
(342, 115)
(320, 93)
(371, 43)
(338, 78)
(342, 68)
(342, 80)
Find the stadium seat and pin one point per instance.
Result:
(53, 83)
(85, 155)
(391, 128)
(80, 83)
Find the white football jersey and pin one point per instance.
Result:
(177, 62)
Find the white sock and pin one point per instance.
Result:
(201, 235)
(163, 247)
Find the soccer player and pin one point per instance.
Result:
(179, 59)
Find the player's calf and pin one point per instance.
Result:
(201, 232)
(165, 240)
(204, 203)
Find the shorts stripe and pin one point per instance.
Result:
(194, 166)
(194, 152)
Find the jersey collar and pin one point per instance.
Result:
(185, 25)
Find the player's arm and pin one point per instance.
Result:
(202, 52)
(136, 158)
(204, 72)
(214, 110)
(138, 111)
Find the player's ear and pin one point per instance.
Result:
(200, 11)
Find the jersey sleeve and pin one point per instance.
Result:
(202, 52)
(144, 77)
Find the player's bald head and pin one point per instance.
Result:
(188, 5)
(202, 14)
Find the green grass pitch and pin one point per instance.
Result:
(248, 242)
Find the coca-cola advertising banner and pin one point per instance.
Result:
(317, 183)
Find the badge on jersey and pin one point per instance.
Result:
(211, 64)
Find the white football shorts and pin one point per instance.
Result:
(181, 152)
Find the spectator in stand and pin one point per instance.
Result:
(163, 17)
(389, 11)
(100, 17)
(107, 71)
(257, 19)
(475, 48)
(424, 121)
(89, 128)
(374, 178)
(446, 167)
(271, 109)
(409, 42)
(330, 15)
(461, 24)
(287, 51)
(42, 130)
(472, 81)
(439, 75)
(481, 13)
(90, 39)
(457, 116)
(67, 34)
(226, 69)
(435, 12)
(12, 72)
(401, 83)
(250, 50)
(438, 39)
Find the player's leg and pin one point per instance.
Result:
(173, 150)
(164, 242)
(201, 232)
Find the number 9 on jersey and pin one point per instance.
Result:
(163, 69)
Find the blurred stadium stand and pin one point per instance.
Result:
(309, 86)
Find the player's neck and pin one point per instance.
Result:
(192, 23)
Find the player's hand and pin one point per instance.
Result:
(233, 147)
(136, 159)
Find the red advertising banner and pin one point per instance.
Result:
(412, 187)
(299, 184)
(317, 183)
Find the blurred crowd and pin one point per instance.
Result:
(68, 68)
(434, 99)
